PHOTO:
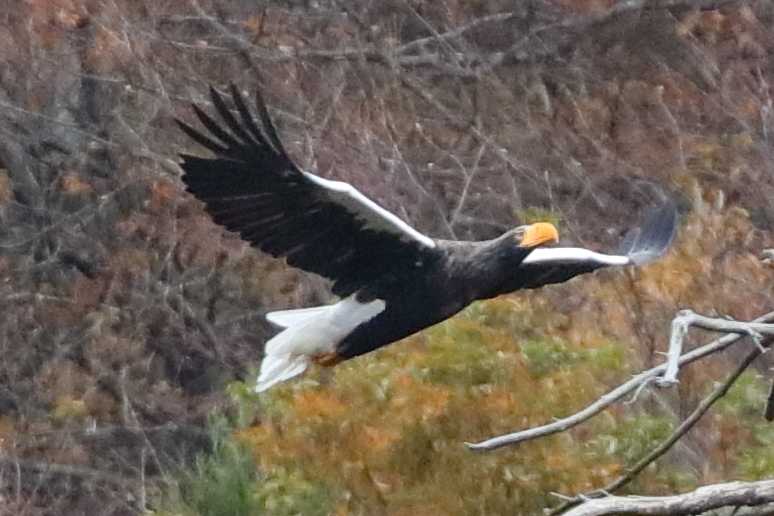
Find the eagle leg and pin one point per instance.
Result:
(329, 359)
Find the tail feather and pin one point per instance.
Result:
(288, 318)
(295, 340)
(278, 368)
(309, 332)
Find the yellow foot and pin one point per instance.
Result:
(327, 359)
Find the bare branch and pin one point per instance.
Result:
(768, 411)
(687, 318)
(66, 470)
(457, 31)
(703, 499)
(611, 397)
(761, 510)
(670, 441)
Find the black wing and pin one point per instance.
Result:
(251, 187)
(640, 246)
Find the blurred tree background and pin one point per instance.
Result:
(132, 326)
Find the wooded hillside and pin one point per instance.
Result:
(129, 318)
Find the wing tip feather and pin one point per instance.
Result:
(654, 236)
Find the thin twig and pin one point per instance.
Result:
(66, 470)
(455, 32)
(760, 510)
(688, 318)
(455, 120)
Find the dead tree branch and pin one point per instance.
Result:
(670, 441)
(64, 470)
(760, 510)
(613, 396)
(703, 499)
(687, 318)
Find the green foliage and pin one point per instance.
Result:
(288, 493)
(385, 432)
(227, 482)
(534, 214)
(544, 356)
(757, 461)
(631, 438)
(458, 355)
(745, 400)
(244, 400)
(389, 427)
(223, 482)
(746, 397)
(516, 319)
(66, 409)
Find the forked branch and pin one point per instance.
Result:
(634, 384)
(687, 318)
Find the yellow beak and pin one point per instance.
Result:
(538, 234)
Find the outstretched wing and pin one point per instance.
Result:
(252, 187)
(641, 245)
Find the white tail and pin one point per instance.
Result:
(288, 318)
(278, 368)
(309, 332)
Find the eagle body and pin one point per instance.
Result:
(433, 291)
(392, 280)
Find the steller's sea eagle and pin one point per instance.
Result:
(392, 280)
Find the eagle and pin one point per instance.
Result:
(391, 280)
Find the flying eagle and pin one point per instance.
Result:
(392, 280)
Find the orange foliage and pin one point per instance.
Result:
(63, 379)
(316, 405)
(163, 194)
(87, 293)
(586, 6)
(130, 262)
(109, 50)
(51, 19)
(73, 184)
(6, 190)
(393, 422)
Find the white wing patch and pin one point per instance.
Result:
(374, 216)
(560, 255)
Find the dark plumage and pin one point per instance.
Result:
(393, 280)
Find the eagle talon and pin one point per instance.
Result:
(327, 359)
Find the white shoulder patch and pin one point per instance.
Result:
(374, 216)
(561, 255)
(297, 316)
